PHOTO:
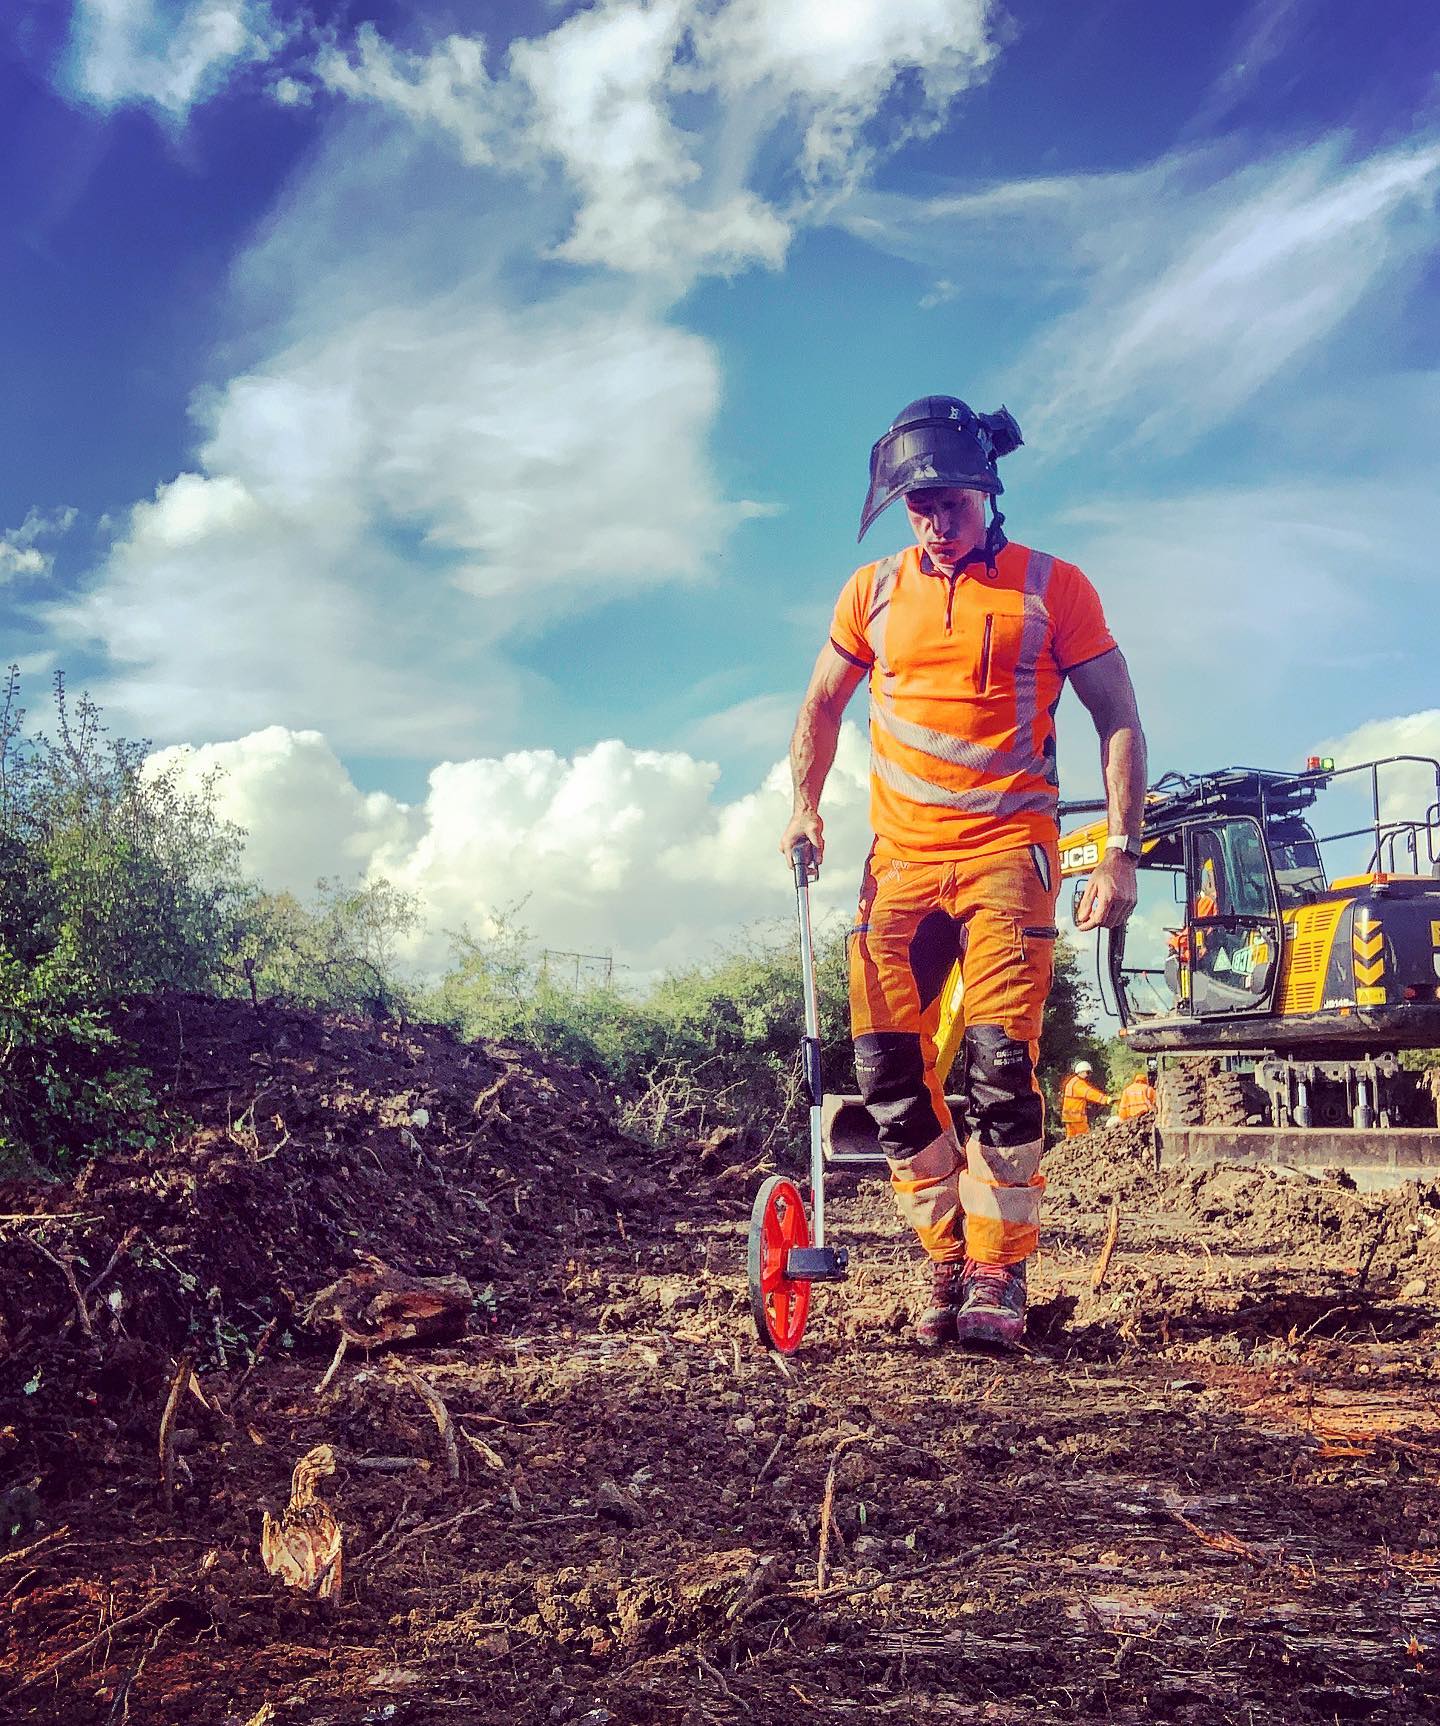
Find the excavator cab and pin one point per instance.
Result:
(1298, 958)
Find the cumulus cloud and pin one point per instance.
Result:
(614, 848)
(21, 550)
(167, 54)
(1408, 787)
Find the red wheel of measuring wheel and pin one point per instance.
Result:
(777, 1223)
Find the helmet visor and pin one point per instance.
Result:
(936, 453)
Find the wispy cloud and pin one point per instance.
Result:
(1198, 282)
(168, 55)
(1224, 295)
(658, 112)
(443, 442)
(24, 549)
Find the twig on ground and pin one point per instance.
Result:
(262, 1342)
(127, 1240)
(23, 1552)
(1369, 1259)
(167, 1429)
(748, 1609)
(827, 1515)
(766, 1465)
(717, 1677)
(1107, 1252)
(916, 1571)
(436, 1405)
(148, 1610)
(66, 1267)
(120, 1707)
(334, 1365)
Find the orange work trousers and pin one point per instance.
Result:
(996, 915)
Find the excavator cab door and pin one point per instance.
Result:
(1227, 955)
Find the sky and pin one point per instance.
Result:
(451, 418)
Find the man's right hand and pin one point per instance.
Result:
(803, 825)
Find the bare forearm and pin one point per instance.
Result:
(812, 754)
(1122, 756)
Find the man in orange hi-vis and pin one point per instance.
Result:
(967, 641)
(1078, 1095)
(1138, 1098)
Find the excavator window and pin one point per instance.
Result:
(1227, 954)
(1295, 858)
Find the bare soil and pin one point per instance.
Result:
(1204, 1492)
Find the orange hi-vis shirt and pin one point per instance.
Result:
(965, 674)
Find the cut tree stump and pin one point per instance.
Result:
(375, 1306)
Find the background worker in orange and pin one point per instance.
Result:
(966, 641)
(1138, 1098)
(1078, 1095)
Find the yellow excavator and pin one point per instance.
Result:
(1277, 966)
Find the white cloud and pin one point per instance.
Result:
(613, 849)
(658, 112)
(20, 550)
(167, 54)
(447, 88)
(414, 474)
(838, 64)
(1199, 283)
(1179, 337)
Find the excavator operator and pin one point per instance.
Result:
(966, 640)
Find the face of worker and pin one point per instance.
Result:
(948, 522)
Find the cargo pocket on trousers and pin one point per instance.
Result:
(1037, 948)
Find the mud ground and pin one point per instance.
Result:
(1205, 1492)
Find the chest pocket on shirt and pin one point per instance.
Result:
(998, 651)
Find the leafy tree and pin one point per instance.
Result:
(340, 952)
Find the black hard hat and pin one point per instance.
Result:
(938, 441)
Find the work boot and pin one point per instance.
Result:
(992, 1304)
(937, 1323)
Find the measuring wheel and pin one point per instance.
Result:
(777, 1226)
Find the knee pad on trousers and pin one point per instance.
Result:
(890, 1071)
(1004, 1105)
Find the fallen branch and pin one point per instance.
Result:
(436, 1405)
(167, 1429)
(1107, 1252)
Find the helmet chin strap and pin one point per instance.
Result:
(995, 541)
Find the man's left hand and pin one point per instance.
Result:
(1110, 893)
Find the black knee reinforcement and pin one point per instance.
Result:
(891, 1074)
(1003, 1102)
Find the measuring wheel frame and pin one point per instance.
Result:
(779, 1304)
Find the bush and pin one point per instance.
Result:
(338, 953)
(113, 881)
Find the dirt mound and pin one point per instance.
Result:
(313, 1141)
(1109, 1165)
(1394, 1236)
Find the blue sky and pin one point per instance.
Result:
(452, 419)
